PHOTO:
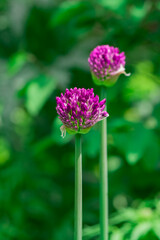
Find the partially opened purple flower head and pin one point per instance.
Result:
(106, 64)
(79, 110)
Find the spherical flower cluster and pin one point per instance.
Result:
(106, 64)
(79, 110)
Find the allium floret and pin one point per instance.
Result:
(79, 110)
(106, 64)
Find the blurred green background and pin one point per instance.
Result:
(44, 47)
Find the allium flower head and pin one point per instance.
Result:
(79, 110)
(106, 64)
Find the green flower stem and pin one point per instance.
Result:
(103, 177)
(78, 188)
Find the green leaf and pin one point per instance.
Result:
(117, 235)
(156, 227)
(140, 11)
(125, 215)
(4, 151)
(67, 11)
(113, 5)
(36, 92)
(141, 230)
(133, 143)
(90, 232)
(16, 62)
(142, 83)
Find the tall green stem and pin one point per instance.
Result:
(78, 188)
(103, 177)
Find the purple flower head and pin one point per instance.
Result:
(106, 64)
(79, 110)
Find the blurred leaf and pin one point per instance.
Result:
(141, 230)
(133, 143)
(138, 12)
(145, 214)
(117, 235)
(37, 91)
(90, 232)
(156, 227)
(119, 125)
(125, 215)
(142, 83)
(114, 5)
(67, 11)
(16, 62)
(4, 151)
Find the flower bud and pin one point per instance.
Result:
(106, 65)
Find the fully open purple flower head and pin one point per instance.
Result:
(79, 110)
(106, 64)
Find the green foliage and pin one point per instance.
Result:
(142, 83)
(44, 46)
(16, 62)
(137, 140)
(36, 93)
(4, 151)
(131, 223)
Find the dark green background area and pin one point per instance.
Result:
(44, 48)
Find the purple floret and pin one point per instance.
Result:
(106, 61)
(79, 109)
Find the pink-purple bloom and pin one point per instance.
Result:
(106, 64)
(79, 110)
